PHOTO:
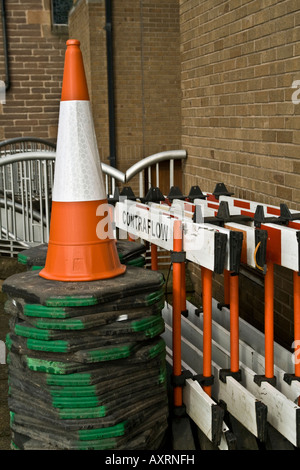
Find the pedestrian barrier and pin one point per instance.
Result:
(219, 232)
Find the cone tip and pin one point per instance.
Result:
(73, 42)
(74, 85)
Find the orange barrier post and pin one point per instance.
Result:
(269, 321)
(81, 243)
(177, 266)
(234, 323)
(183, 291)
(206, 275)
(226, 287)
(154, 261)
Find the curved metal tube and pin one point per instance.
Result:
(17, 140)
(107, 169)
(152, 160)
(24, 156)
(113, 172)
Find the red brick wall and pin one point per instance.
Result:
(36, 57)
(146, 75)
(239, 124)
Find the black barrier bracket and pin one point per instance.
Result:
(175, 193)
(217, 424)
(198, 311)
(196, 193)
(153, 195)
(224, 373)
(178, 256)
(283, 219)
(179, 380)
(298, 427)
(128, 193)
(289, 378)
(258, 379)
(223, 216)
(235, 243)
(220, 252)
(261, 420)
(220, 305)
(221, 190)
(203, 381)
(261, 236)
(179, 411)
(185, 313)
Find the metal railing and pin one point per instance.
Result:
(26, 181)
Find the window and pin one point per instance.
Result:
(60, 10)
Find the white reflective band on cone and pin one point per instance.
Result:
(78, 172)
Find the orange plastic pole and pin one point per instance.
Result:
(234, 323)
(206, 275)
(183, 288)
(177, 246)
(154, 263)
(269, 321)
(297, 322)
(226, 287)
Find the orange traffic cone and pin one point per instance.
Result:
(81, 244)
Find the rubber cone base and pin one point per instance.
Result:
(82, 263)
(75, 251)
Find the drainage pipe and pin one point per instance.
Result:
(110, 83)
(5, 45)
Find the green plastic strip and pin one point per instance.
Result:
(145, 323)
(82, 413)
(155, 330)
(14, 446)
(138, 262)
(157, 349)
(11, 416)
(74, 391)
(50, 367)
(109, 354)
(67, 324)
(70, 301)
(31, 332)
(68, 402)
(8, 341)
(50, 346)
(155, 296)
(69, 379)
(22, 258)
(36, 310)
(102, 433)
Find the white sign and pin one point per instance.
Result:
(145, 223)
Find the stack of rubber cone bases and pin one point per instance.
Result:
(87, 367)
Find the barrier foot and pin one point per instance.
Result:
(258, 379)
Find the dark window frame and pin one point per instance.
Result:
(59, 14)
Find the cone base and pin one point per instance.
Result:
(82, 263)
